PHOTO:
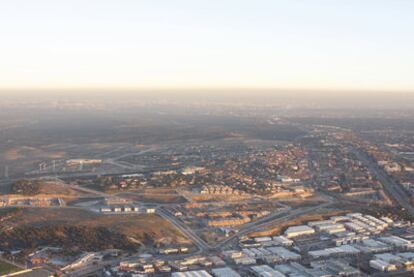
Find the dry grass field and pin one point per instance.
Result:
(147, 228)
(6, 268)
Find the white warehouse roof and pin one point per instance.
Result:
(198, 273)
(299, 230)
(266, 271)
(224, 272)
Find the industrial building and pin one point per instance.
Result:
(388, 262)
(330, 228)
(224, 272)
(334, 251)
(265, 271)
(125, 209)
(283, 241)
(195, 273)
(300, 230)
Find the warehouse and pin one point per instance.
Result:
(265, 271)
(300, 230)
(373, 246)
(198, 273)
(334, 251)
(284, 254)
(382, 265)
(224, 272)
(397, 242)
(331, 228)
(282, 240)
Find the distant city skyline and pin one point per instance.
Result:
(183, 44)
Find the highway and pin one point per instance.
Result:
(201, 244)
(251, 227)
(390, 186)
(259, 225)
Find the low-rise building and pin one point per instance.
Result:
(195, 273)
(300, 230)
(224, 272)
(265, 271)
(283, 241)
(334, 251)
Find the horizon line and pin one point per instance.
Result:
(200, 89)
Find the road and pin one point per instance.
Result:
(201, 244)
(390, 186)
(256, 227)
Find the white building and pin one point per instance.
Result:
(284, 254)
(196, 273)
(382, 265)
(106, 210)
(334, 251)
(397, 242)
(224, 272)
(265, 271)
(282, 240)
(331, 228)
(300, 230)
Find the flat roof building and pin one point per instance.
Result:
(195, 273)
(300, 230)
(265, 271)
(224, 272)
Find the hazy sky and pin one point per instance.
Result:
(331, 44)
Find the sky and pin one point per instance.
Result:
(127, 44)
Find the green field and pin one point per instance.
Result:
(6, 268)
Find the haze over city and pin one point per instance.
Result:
(206, 138)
